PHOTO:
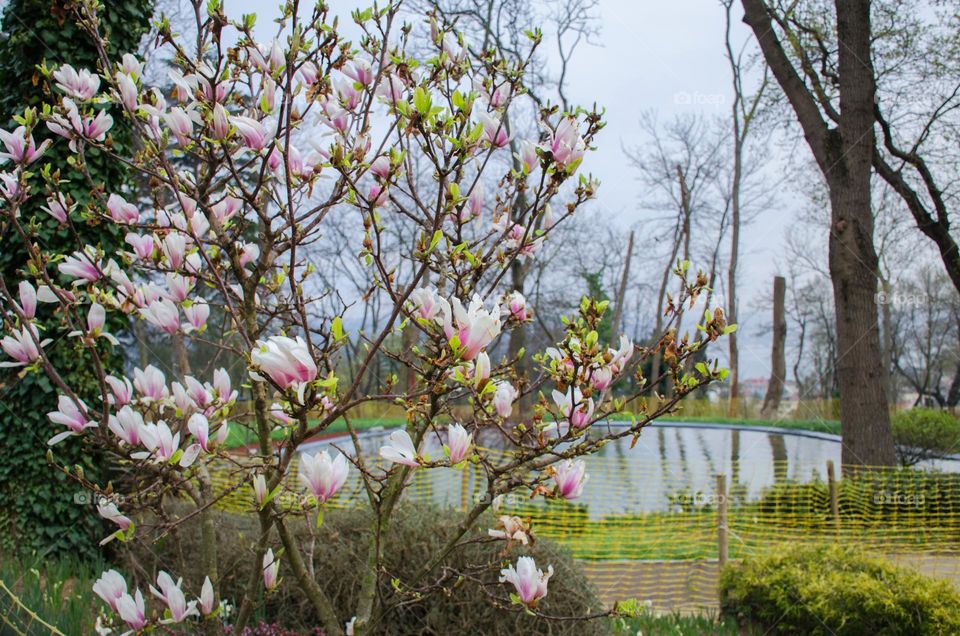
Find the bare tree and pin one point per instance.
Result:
(843, 150)
(743, 114)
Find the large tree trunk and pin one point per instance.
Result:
(844, 155)
(778, 354)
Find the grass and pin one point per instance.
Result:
(242, 436)
(57, 592)
(674, 624)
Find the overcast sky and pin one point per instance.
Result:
(665, 56)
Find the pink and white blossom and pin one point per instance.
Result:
(503, 399)
(20, 147)
(459, 443)
(286, 361)
(494, 131)
(110, 587)
(151, 384)
(132, 610)
(127, 425)
(566, 145)
(81, 85)
(474, 327)
(515, 306)
(400, 449)
(573, 407)
(22, 346)
(530, 582)
(162, 314)
(271, 570)
(121, 211)
(110, 512)
(570, 476)
(71, 413)
(323, 476)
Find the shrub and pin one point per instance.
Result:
(840, 591)
(416, 533)
(924, 434)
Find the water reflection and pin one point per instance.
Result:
(672, 466)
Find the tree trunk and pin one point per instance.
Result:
(844, 155)
(864, 413)
(622, 291)
(778, 357)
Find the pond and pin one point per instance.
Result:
(673, 465)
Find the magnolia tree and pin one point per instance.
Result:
(242, 163)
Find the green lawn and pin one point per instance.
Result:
(242, 436)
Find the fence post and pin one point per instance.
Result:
(722, 539)
(834, 497)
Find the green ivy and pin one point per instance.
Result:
(39, 511)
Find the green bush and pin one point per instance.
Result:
(416, 533)
(922, 434)
(833, 590)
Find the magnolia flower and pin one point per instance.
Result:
(260, 489)
(566, 144)
(22, 346)
(132, 610)
(377, 196)
(71, 415)
(121, 211)
(28, 299)
(323, 476)
(171, 594)
(475, 327)
(162, 314)
(128, 90)
(570, 476)
(254, 134)
(622, 355)
(174, 246)
(110, 587)
(475, 203)
(531, 583)
(528, 156)
(503, 399)
(224, 209)
(286, 361)
(515, 306)
(82, 265)
(96, 318)
(426, 303)
(381, 166)
(277, 413)
(223, 386)
(206, 596)
(459, 443)
(160, 441)
(121, 391)
(271, 568)
(10, 186)
(494, 131)
(601, 377)
(81, 85)
(573, 407)
(481, 370)
(110, 512)
(57, 207)
(178, 287)
(391, 89)
(21, 147)
(400, 450)
(127, 425)
(151, 384)
(359, 70)
(142, 244)
(196, 314)
(180, 122)
(511, 529)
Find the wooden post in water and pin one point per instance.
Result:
(722, 538)
(834, 497)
